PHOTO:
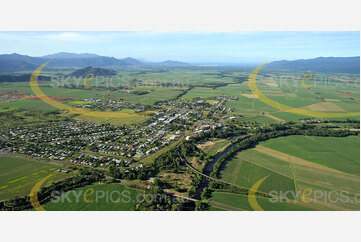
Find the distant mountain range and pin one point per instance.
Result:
(320, 64)
(71, 61)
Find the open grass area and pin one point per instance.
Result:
(19, 175)
(28, 104)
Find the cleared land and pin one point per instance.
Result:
(325, 106)
(213, 147)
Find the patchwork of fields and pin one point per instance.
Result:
(325, 168)
(323, 99)
(338, 98)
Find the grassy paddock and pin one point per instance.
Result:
(19, 175)
(241, 202)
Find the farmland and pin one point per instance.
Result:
(299, 163)
(240, 202)
(19, 175)
(336, 153)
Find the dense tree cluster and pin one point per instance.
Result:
(169, 160)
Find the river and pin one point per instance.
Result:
(208, 169)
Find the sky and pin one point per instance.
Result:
(191, 47)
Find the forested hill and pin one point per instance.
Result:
(21, 78)
(91, 70)
(321, 64)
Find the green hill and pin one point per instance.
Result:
(94, 71)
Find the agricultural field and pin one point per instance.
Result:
(19, 175)
(299, 164)
(240, 202)
(245, 173)
(337, 153)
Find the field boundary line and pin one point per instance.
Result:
(311, 138)
(227, 207)
(266, 162)
(274, 117)
(268, 169)
(300, 161)
(239, 168)
(292, 166)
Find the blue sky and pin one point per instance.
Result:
(192, 47)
